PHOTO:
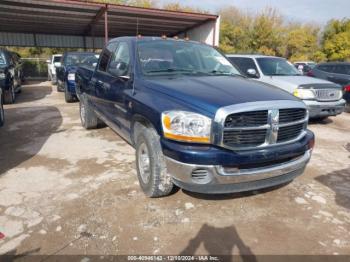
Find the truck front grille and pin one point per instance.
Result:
(328, 94)
(251, 129)
(291, 114)
(246, 119)
(234, 138)
(289, 132)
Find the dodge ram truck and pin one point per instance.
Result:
(65, 73)
(194, 121)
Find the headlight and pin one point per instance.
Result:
(186, 126)
(71, 76)
(2, 76)
(304, 93)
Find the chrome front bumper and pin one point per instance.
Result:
(217, 179)
(323, 109)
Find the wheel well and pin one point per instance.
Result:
(138, 119)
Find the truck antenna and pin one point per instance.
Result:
(135, 54)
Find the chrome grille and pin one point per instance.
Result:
(259, 128)
(286, 133)
(328, 94)
(245, 119)
(235, 138)
(291, 114)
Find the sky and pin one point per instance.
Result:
(316, 11)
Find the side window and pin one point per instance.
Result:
(102, 66)
(326, 68)
(244, 64)
(120, 60)
(341, 69)
(106, 56)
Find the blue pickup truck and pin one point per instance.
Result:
(65, 73)
(194, 121)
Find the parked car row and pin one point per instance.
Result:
(11, 79)
(65, 69)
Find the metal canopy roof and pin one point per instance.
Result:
(77, 18)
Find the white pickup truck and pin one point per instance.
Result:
(323, 98)
(52, 64)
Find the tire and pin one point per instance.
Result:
(2, 114)
(151, 167)
(58, 87)
(10, 95)
(88, 117)
(68, 96)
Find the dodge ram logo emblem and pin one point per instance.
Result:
(274, 126)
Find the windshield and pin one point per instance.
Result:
(169, 57)
(77, 59)
(276, 67)
(90, 60)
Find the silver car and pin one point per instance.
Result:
(323, 98)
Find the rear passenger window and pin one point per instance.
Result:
(243, 64)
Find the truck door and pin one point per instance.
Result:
(101, 81)
(119, 69)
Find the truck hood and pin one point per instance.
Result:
(212, 92)
(290, 83)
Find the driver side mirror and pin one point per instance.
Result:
(119, 69)
(251, 72)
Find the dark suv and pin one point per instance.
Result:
(337, 72)
(11, 75)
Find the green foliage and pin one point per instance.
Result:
(34, 68)
(301, 42)
(336, 40)
(266, 33)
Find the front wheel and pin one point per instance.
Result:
(68, 96)
(88, 117)
(151, 167)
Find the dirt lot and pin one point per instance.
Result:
(65, 190)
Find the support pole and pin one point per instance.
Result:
(106, 25)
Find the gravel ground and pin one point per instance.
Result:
(65, 190)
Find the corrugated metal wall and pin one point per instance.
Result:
(41, 40)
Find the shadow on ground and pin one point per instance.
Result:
(325, 121)
(26, 126)
(227, 196)
(219, 241)
(339, 182)
(33, 91)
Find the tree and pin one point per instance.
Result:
(336, 40)
(266, 35)
(301, 42)
(235, 25)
